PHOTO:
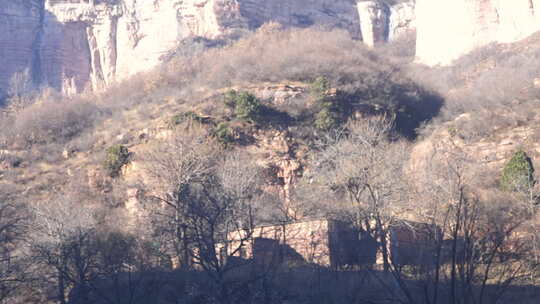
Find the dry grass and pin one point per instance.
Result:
(52, 119)
(270, 55)
(495, 83)
(275, 55)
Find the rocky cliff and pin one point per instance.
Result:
(19, 27)
(75, 44)
(448, 29)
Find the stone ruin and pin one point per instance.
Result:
(330, 243)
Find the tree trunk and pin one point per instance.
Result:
(61, 288)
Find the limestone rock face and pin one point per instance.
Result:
(19, 27)
(76, 44)
(402, 20)
(381, 23)
(374, 20)
(72, 45)
(448, 29)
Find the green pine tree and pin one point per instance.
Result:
(518, 173)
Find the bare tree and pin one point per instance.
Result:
(124, 273)
(204, 195)
(241, 179)
(359, 171)
(473, 231)
(62, 239)
(12, 263)
(172, 166)
(523, 189)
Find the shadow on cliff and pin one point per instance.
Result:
(41, 49)
(65, 57)
(58, 57)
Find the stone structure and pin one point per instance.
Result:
(334, 244)
(321, 242)
(76, 44)
(412, 243)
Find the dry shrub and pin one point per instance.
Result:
(280, 55)
(490, 77)
(271, 54)
(402, 47)
(51, 120)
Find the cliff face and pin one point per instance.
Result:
(19, 28)
(75, 44)
(381, 23)
(448, 29)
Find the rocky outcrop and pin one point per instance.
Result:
(380, 22)
(374, 21)
(448, 29)
(19, 29)
(482, 158)
(402, 20)
(75, 44)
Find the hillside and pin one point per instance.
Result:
(139, 193)
(139, 111)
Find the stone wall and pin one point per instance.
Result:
(320, 242)
(298, 242)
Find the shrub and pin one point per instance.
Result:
(246, 105)
(300, 55)
(230, 99)
(329, 107)
(224, 133)
(185, 117)
(116, 157)
(287, 55)
(51, 121)
(326, 119)
(517, 174)
(320, 86)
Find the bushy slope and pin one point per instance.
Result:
(288, 101)
(51, 141)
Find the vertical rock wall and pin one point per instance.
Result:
(374, 21)
(19, 28)
(76, 44)
(72, 45)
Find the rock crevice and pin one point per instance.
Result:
(35, 66)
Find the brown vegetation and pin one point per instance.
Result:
(347, 141)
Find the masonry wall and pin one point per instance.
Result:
(320, 242)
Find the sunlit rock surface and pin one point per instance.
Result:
(73, 45)
(448, 29)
